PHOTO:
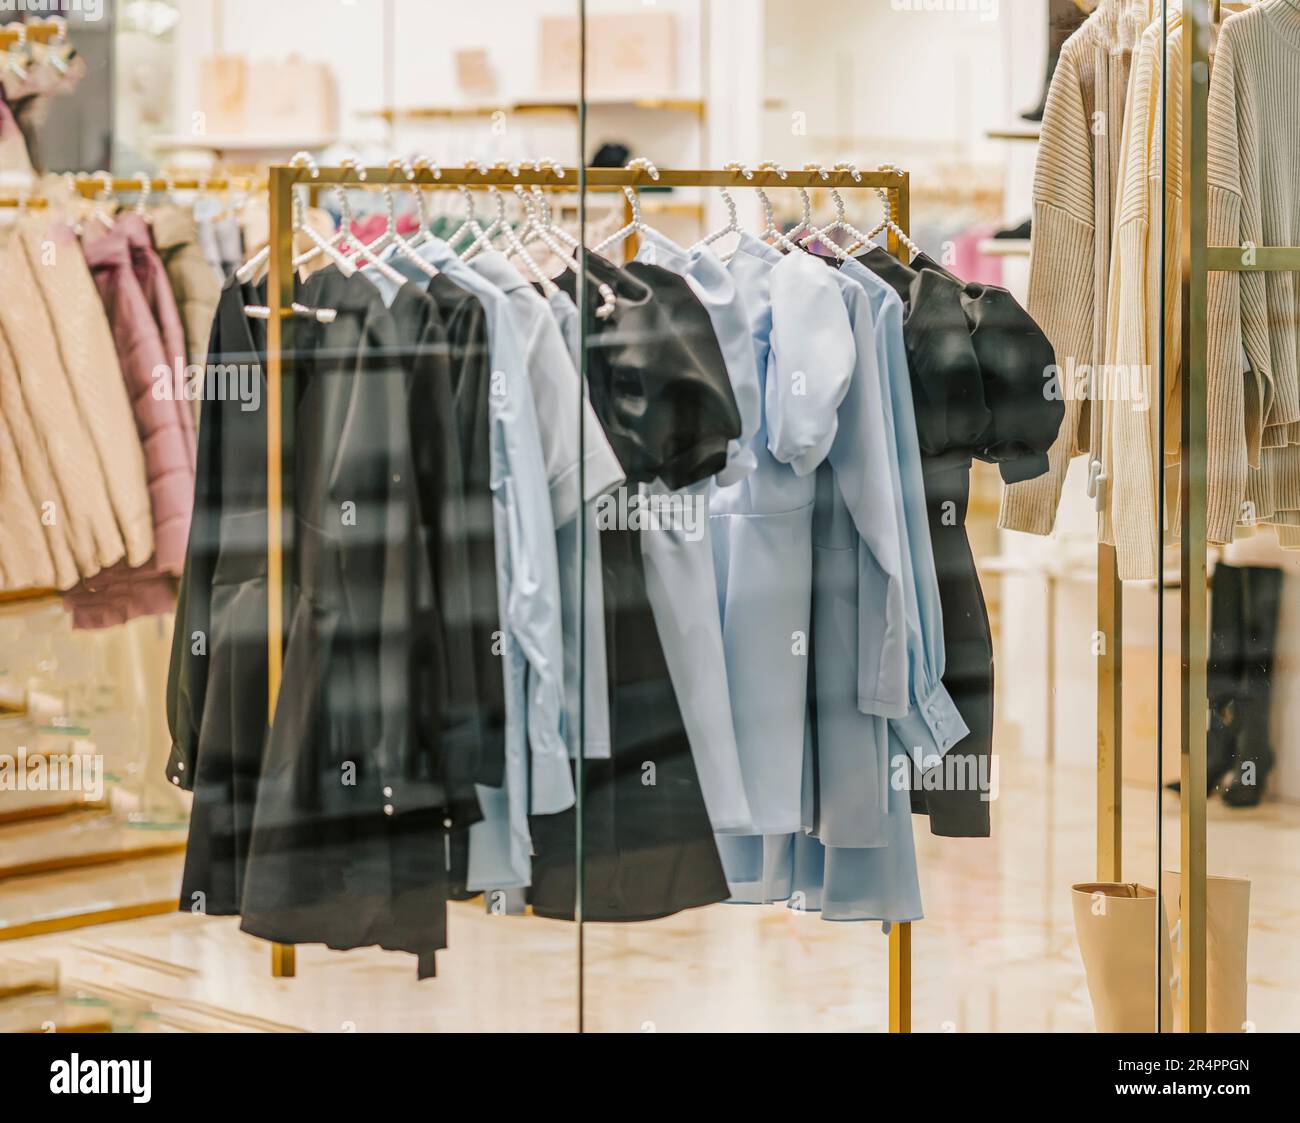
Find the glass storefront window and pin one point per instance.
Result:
(616, 516)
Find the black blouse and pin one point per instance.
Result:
(659, 389)
(983, 373)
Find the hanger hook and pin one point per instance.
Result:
(301, 159)
(640, 164)
(423, 163)
(146, 189)
(417, 196)
(345, 208)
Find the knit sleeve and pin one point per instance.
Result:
(1129, 453)
(1229, 434)
(1061, 283)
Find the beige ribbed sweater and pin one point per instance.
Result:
(1253, 166)
(1074, 186)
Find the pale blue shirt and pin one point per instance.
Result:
(528, 591)
(932, 724)
(678, 558)
(586, 672)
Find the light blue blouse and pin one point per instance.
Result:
(679, 557)
(528, 590)
(932, 724)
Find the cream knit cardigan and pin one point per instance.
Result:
(1253, 397)
(1130, 409)
(1074, 188)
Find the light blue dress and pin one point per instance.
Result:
(528, 591)
(679, 558)
(762, 536)
(856, 860)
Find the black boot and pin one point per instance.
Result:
(1063, 20)
(1224, 672)
(1261, 602)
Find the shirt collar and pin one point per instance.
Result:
(755, 248)
(495, 267)
(665, 251)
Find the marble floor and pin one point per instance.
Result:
(996, 951)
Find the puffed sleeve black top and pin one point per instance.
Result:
(983, 373)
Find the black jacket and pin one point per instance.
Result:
(982, 382)
(327, 827)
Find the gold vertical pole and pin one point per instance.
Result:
(1110, 715)
(279, 343)
(900, 978)
(1192, 492)
(900, 935)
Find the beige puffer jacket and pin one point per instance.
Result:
(62, 419)
(89, 355)
(25, 558)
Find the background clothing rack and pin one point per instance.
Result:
(1199, 260)
(283, 179)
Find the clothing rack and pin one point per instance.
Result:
(1199, 259)
(283, 179)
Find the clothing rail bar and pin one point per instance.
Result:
(37, 32)
(279, 377)
(527, 176)
(89, 187)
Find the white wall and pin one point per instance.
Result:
(419, 70)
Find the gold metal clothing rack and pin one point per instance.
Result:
(1199, 259)
(283, 179)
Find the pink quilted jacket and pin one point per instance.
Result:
(120, 258)
(150, 271)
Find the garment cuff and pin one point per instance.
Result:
(1023, 468)
(180, 768)
(552, 778)
(808, 461)
(931, 727)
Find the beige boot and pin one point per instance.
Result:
(1116, 927)
(1227, 933)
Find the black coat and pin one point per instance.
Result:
(981, 373)
(216, 689)
(329, 827)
